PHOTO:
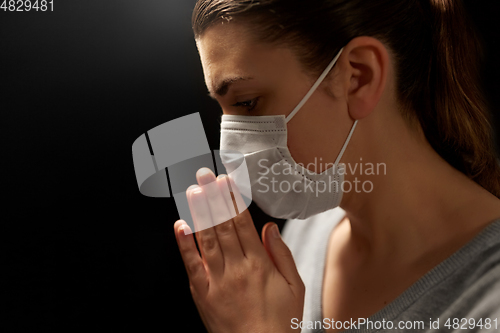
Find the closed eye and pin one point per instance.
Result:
(249, 105)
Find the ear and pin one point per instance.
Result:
(366, 62)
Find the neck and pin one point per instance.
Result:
(419, 205)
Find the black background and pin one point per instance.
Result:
(84, 250)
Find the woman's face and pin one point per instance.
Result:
(257, 79)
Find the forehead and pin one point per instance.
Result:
(228, 51)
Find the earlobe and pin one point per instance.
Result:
(367, 63)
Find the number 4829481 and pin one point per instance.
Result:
(27, 5)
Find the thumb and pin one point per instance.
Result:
(281, 254)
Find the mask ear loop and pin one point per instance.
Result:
(314, 87)
(345, 144)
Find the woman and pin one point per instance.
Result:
(417, 241)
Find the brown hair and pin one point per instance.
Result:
(436, 51)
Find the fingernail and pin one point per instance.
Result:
(192, 187)
(275, 231)
(184, 227)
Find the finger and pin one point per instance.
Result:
(202, 223)
(218, 207)
(191, 257)
(238, 199)
(245, 228)
(221, 217)
(281, 255)
(206, 236)
(226, 232)
(227, 194)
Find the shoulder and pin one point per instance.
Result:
(482, 295)
(473, 291)
(480, 302)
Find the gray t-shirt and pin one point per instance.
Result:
(462, 292)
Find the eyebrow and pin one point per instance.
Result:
(222, 88)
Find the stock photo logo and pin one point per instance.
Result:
(166, 160)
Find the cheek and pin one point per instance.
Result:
(315, 133)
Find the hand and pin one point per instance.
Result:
(238, 284)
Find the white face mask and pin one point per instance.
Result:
(281, 187)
